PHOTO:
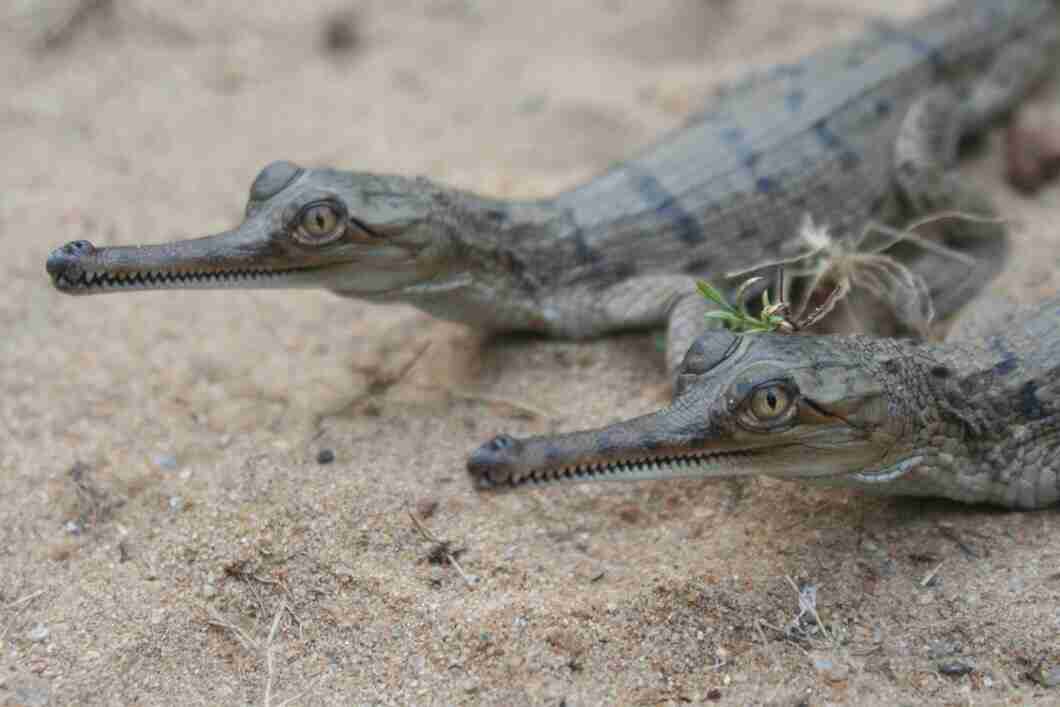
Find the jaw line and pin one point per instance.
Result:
(701, 464)
(91, 281)
(339, 276)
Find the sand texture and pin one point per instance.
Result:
(167, 533)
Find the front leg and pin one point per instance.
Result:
(926, 150)
(924, 154)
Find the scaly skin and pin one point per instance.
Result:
(855, 132)
(976, 422)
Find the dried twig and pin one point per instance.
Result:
(525, 408)
(19, 605)
(949, 532)
(845, 263)
(765, 641)
(24, 600)
(378, 387)
(808, 604)
(931, 575)
(440, 546)
(245, 639)
(784, 634)
(270, 664)
(93, 504)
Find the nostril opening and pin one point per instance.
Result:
(65, 261)
(77, 247)
(501, 442)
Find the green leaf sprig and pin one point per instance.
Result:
(773, 317)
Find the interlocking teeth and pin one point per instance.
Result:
(646, 467)
(163, 279)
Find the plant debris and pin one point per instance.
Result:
(836, 266)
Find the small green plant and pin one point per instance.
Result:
(773, 317)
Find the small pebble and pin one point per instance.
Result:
(955, 667)
(341, 33)
(38, 633)
(176, 503)
(325, 456)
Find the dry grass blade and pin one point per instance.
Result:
(860, 262)
(742, 291)
(808, 604)
(270, 663)
(244, 639)
(377, 388)
(907, 294)
(441, 545)
(24, 600)
(909, 234)
(805, 321)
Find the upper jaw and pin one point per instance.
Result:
(239, 259)
(79, 268)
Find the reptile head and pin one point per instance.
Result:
(774, 404)
(362, 234)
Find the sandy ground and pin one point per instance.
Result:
(167, 534)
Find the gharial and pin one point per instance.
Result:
(861, 131)
(975, 419)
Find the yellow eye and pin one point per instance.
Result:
(320, 223)
(770, 403)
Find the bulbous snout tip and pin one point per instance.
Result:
(64, 263)
(491, 465)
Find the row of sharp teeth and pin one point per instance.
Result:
(645, 468)
(161, 279)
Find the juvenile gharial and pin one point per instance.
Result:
(856, 132)
(976, 419)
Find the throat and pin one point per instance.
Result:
(493, 304)
(506, 256)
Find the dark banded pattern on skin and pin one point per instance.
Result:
(855, 132)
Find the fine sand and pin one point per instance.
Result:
(167, 533)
